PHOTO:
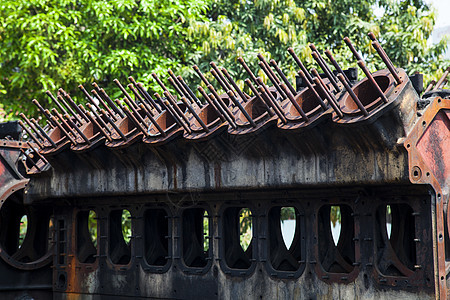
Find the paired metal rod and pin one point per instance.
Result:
(313, 90)
(196, 116)
(149, 98)
(257, 95)
(336, 65)
(31, 126)
(372, 80)
(274, 64)
(35, 102)
(190, 93)
(241, 108)
(386, 61)
(150, 117)
(247, 69)
(31, 135)
(111, 113)
(353, 95)
(118, 131)
(177, 109)
(296, 105)
(322, 61)
(443, 78)
(228, 86)
(272, 79)
(233, 83)
(223, 105)
(94, 122)
(300, 64)
(47, 137)
(325, 70)
(270, 103)
(90, 99)
(97, 116)
(217, 106)
(80, 133)
(136, 115)
(352, 49)
(261, 58)
(329, 98)
(269, 94)
(63, 130)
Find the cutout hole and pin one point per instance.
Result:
(23, 229)
(288, 225)
(118, 239)
(86, 236)
(388, 221)
(156, 237)
(335, 222)
(195, 245)
(245, 228)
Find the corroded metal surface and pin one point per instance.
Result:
(188, 170)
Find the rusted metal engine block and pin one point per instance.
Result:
(184, 169)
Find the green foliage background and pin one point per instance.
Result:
(51, 44)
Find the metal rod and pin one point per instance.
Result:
(313, 90)
(90, 99)
(269, 94)
(352, 49)
(94, 121)
(35, 102)
(228, 86)
(188, 89)
(387, 61)
(136, 93)
(31, 126)
(72, 112)
(300, 64)
(63, 121)
(176, 83)
(177, 109)
(296, 105)
(136, 114)
(100, 120)
(328, 92)
(29, 158)
(335, 107)
(257, 95)
(222, 104)
(143, 95)
(37, 153)
(443, 84)
(72, 124)
(63, 130)
(150, 117)
(314, 49)
(74, 105)
(272, 79)
(430, 86)
(374, 39)
(283, 77)
(222, 115)
(111, 113)
(372, 81)
(119, 132)
(111, 103)
(217, 77)
(200, 74)
(50, 95)
(325, 70)
(244, 112)
(134, 120)
(124, 91)
(443, 77)
(269, 70)
(31, 135)
(235, 86)
(352, 94)
(269, 102)
(149, 98)
(196, 116)
(177, 118)
(47, 137)
(336, 65)
(247, 69)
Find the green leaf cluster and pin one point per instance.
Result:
(48, 44)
